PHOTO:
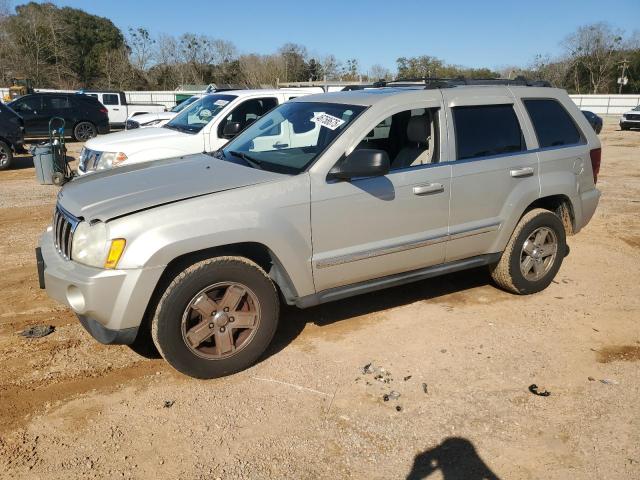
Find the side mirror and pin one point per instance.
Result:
(231, 129)
(361, 163)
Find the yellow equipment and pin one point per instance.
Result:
(19, 87)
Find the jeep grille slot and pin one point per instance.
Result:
(64, 224)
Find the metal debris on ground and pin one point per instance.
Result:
(425, 388)
(38, 331)
(533, 388)
(608, 381)
(169, 403)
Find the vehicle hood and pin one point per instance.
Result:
(131, 141)
(632, 112)
(123, 190)
(150, 117)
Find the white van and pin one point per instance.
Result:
(205, 126)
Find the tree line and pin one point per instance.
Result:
(68, 48)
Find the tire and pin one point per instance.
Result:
(624, 127)
(84, 131)
(204, 298)
(520, 256)
(6, 156)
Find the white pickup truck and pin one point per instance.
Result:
(205, 126)
(119, 109)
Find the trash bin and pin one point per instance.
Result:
(43, 161)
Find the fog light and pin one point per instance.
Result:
(76, 299)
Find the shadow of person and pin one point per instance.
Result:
(456, 458)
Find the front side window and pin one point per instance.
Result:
(194, 118)
(289, 138)
(248, 112)
(410, 138)
(27, 104)
(486, 130)
(553, 125)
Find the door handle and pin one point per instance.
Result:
(428, 189)
(521, 172)
(280, 145)
(116, 109)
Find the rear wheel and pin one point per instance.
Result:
(533, 255)
(216, 317)
(84, 131)
(6, 156)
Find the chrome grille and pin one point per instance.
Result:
(633, 117)
(64, 224)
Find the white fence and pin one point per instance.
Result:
(600, 104)
(606, 104)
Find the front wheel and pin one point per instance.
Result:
(84, 131)
(216, 317)
(6, 156)
(533, 255)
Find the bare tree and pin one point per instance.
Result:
(378, 72)
(331, 67)
(593, 47)
(141, 45)
(118, 72)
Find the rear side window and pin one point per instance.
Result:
(56, 103)
(553, 125)
(486, 130)
(110, 99)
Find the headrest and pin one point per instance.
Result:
(418, 129)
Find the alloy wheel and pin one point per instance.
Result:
(538, 253)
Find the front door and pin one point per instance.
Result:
(373, 227)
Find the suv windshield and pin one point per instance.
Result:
(199, 113)
(290, 137)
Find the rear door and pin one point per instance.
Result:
(58, 106)
(494, 174)
(117, 111)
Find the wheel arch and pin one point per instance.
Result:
(559, 204)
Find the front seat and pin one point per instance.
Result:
(416, 151)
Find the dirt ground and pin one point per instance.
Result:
(460, 353)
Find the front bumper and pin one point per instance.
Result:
(109, 303)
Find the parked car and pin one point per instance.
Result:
(119, 109)
(84, 116)
(630, 119)
(205, 126)
(159, 119)
(594, 120)
(324, 197)
(11, 135)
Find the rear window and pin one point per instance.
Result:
(486, 130)
(110, 99)
(553, 125)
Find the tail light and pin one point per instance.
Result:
(104, 110)
(596, 155)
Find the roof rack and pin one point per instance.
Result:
(432, 82)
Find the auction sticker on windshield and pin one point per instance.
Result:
(221, 103)
(326, 120)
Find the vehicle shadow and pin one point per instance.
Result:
(293, 320)
(456, 459)
(21, 161)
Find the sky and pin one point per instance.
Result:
(462, 32)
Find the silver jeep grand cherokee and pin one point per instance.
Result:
(325, 197)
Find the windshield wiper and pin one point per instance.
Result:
(251, 161)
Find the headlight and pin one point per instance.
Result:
(90, 244)
(110, 159)
(151, 123)
(92, 247)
